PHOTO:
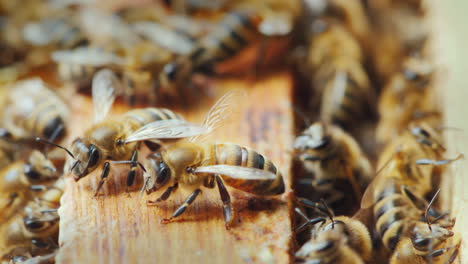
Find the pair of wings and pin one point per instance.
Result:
(105, 86)
(104, 92)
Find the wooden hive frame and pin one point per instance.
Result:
(135, 234)
(449, 33)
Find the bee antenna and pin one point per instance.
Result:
(74, 165)
(429, 207)
(328, 211)
(55, 145)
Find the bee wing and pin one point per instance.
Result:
(166, 129)
(164, 37)
(104, 87)
(222, 110)
(87, 56)
(278, 24)
(368, 197)
(237, 172)
(103, 27)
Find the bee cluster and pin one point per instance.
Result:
(374, 156)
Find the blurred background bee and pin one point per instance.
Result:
(399, 29)
(335, 166)
(246, 24)
(22, 181)
(33, 110)
(35, 233)
(339, 80)
(398, 193)
(407, 97)
(333, 239)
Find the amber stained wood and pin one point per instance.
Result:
(118, 227)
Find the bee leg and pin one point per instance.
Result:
(226, 199)
(104, 175)
(12, 198)
(421, 204)
(308, 221)
(436, 253)
(183, 207)
(308, 203)
(454, 255)
(165, 194)
(133, 168)
(37, 188)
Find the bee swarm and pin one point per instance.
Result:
(362, 98)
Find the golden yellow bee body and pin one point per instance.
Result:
(329, 156)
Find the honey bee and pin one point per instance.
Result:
(338, 239)
(33, 110)
(49, 34)
(396, 193)
(36, 233)
(193, 163)
(426, 240)
(336, 60)
(405, 98)
(400, 30)
(136, 66)
(106, 29)
(234, 32)
(330, 155)
(425, 245)
(20, 182)
(117, 139)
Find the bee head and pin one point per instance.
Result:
(425, 135)
(87, 158)
(157, 172)
(425, 238)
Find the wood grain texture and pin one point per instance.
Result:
(450, 39)
(118, 227)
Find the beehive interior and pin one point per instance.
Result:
(118, 227)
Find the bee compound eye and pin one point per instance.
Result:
(93, 156)
(30, 172)
(33, 224)
(163, 174)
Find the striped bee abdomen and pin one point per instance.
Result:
(47, 118)
(393, 212)
(235, 32)
(232, 154)
(345, 96)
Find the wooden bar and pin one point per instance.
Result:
(450, 39)
(118, 227)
